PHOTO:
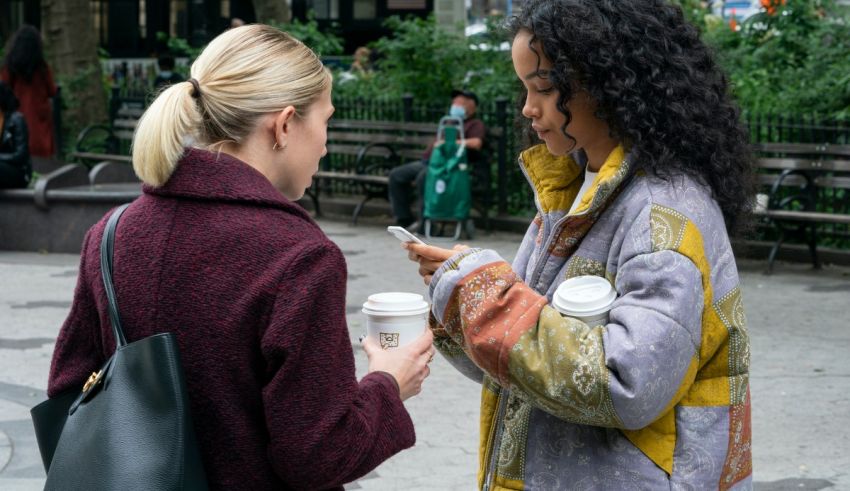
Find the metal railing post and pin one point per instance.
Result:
(57, 123)
(407, 107)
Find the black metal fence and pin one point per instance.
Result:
(780, 128)
(513, 194)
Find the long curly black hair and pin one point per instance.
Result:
(25, 55)
(657, 87)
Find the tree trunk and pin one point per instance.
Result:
(272, 11)
(71, 50)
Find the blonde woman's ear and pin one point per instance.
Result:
(283, 120)
(282, 125)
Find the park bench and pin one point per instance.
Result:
(808, 190)
(361, 154)
(99, 142)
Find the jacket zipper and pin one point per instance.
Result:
(544, 256)
(535, 274)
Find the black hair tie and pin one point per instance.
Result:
(197, 92)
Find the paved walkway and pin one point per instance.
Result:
(800, 368)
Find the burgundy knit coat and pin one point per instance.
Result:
(255, 293)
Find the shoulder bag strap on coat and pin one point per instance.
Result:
(106, 248)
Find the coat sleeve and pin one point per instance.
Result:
(453, 352)
(325, 428)
(624, 374)
(19, 155)
(78, 347)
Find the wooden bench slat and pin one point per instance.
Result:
(344, 149)
(349, 176)
(131, 112)
(806, 216)
(125, 123)
(824, 149)
(429, 128)
(804, 164)
(380, 138)
(828, 182)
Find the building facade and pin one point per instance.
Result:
(140, 28)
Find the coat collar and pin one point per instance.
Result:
(201, 174)
(557, 180)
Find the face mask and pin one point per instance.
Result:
(165, 73)
(457, 112)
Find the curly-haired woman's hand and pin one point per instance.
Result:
(429, 257)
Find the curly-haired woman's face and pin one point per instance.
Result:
(541, 105)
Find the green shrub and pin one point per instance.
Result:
(791, 62)
(324, 43)
(426, 61)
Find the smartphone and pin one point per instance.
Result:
(403, 235)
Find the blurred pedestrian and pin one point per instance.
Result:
(166, 76)
(361, 64)
(27, 73)
(15, 166)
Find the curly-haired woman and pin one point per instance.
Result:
(643, 173)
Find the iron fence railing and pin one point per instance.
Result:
(513, 194)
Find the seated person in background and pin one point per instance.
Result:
(361, 63)
(464, 106)
(167, 75)
(15, 164)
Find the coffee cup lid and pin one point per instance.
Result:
(584, 296)
(395, 303)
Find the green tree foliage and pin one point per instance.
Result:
(794, 60)
(696, 11)
(324, 43)
(426, 61)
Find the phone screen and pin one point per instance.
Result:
(403, 235)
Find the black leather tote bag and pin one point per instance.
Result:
(129, 427)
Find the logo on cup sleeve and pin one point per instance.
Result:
(389, 340)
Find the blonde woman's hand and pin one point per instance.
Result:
(407, 364)
(429, 257)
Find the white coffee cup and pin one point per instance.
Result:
(587, 298)
(394, 319)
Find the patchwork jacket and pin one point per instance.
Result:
(656, 399)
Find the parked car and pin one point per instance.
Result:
(739, 9)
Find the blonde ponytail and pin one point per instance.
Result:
(161, 133)
(242, 74)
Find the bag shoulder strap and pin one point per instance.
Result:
(106, 248)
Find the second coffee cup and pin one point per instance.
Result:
(394, 319)
(587, 298)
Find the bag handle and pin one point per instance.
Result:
(106, 248)
(444, 122)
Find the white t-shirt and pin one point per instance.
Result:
(589, 177)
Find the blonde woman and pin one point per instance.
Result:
(216, 250)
